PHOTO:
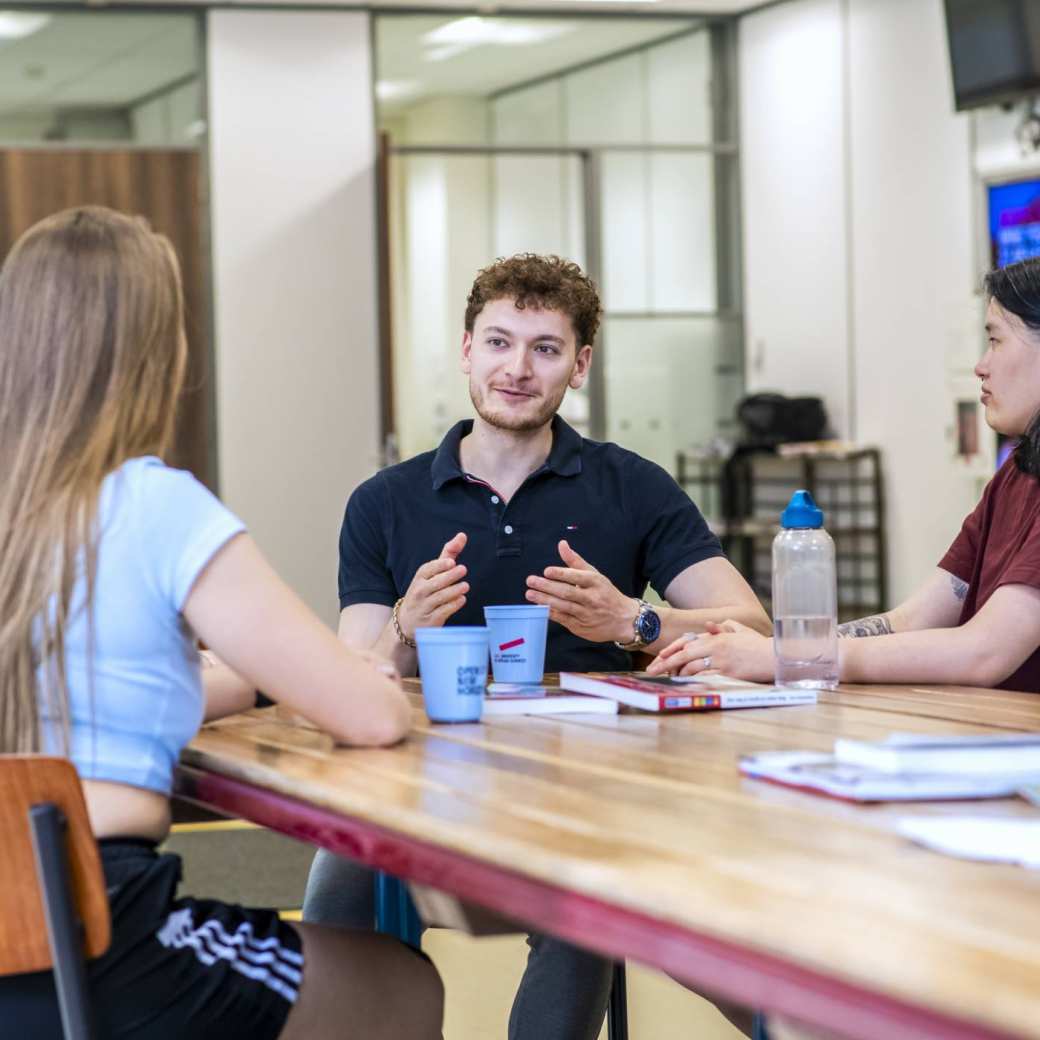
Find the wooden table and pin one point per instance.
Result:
(637, 836)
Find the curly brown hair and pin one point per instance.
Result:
(545, 282)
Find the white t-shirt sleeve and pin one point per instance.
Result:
(182, 526)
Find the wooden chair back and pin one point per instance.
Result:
(25, 781)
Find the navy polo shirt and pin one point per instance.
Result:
(622, 513)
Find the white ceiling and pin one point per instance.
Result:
(404, 48)
(684, 7)
(84, 59)
(95, 59)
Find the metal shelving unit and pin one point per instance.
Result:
(743, 496)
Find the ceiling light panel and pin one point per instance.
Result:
(15, 25)
(397, 89)
(474, 31)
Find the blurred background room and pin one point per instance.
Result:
(795, 198)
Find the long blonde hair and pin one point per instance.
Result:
(92, 357)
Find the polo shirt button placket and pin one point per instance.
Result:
(509, 542)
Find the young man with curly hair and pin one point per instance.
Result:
(515, 506)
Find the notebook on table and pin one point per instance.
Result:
(519, 699)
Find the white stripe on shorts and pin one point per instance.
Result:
(261, 959)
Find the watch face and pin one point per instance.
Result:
(649, 626)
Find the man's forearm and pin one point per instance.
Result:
(403, 657)
(371, 627)
(675, 622)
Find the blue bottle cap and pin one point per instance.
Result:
(801, 511)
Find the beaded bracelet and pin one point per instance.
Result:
(397, 625)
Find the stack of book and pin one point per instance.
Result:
(603, 692)
(665, 693)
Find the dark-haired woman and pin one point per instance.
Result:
(976, 621)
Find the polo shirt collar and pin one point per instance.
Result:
(564, 457)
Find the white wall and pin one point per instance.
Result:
(858, 201)
(292, 204)
(794, 203)
(913, 270)
(442, 216)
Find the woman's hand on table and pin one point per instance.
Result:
(730, 648)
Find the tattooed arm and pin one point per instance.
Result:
(924, 641)
(983, 651)
(937, 604)
(875, 625)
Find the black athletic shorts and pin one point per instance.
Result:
(176, 969)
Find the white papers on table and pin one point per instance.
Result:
(813, 771)
(982, 754)
(982, 838)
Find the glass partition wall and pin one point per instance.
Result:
(100, 77)
(610, 141)
(105, 108)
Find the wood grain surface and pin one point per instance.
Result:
(27, 780)
(167, 187)
(650, 815)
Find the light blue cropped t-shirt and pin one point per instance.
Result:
(159, 527)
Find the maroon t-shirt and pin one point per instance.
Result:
(999, 544)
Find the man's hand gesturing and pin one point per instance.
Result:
(437, 591)
(583, 600)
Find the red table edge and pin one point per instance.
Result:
(710, 965)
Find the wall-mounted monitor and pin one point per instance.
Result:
(1014, 220)
(994, 50)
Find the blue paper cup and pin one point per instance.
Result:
(453, 663)
(516, 638)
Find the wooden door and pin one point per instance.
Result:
(165, 187)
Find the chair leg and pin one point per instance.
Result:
(395, 912)
(47, 825)
(617, 1009)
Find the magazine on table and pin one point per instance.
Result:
(822, 773)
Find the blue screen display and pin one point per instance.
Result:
(1014, 221)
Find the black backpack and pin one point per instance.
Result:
(771, 419)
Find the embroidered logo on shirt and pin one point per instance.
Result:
(571, 527)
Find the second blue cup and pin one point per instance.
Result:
(516, 638)
(453, 663)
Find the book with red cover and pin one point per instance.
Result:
(662, 695)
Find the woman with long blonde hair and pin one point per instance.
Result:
(111, 563)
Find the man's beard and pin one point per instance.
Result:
(517, 424)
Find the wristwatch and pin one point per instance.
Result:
(646, 627)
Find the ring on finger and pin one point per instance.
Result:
(707, 662)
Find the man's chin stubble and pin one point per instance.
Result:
(507, 422)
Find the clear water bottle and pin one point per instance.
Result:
(805, 598)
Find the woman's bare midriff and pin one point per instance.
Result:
(121, 811)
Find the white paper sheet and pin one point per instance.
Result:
(973, 837)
